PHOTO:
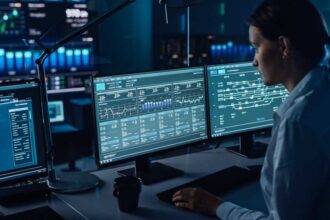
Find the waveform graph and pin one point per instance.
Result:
(189, 100)
(12, 20)
(116, 105)
(189, 93)
(116, 110)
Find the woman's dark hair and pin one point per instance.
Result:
(298, 20)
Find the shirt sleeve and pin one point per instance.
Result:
(230, 211)
(298, 176)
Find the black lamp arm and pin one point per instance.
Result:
(48, 51)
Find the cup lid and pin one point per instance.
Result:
(127, 179)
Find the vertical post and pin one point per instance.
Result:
(188, 36)
(45, 113)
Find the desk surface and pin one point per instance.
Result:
(101, 204)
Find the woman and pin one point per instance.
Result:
(289, 38)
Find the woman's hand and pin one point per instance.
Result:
(197, 199)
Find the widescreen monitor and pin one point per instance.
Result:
(140, 114)
(240, 103)
(23, 149)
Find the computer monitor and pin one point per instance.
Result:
(241, 104)
(23, 149)
(56, 111)
(140, 114)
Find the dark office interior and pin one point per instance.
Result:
(158, 48)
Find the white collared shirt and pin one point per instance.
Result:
(295, 178)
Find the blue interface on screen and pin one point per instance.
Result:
(56, 111)
(19, 151)
(239, 101)
(143, 113)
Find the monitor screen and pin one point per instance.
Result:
(239, 101)
(24, 22)
(142, 113)
(22, 141)
(56, 111)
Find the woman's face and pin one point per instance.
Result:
(268, 57)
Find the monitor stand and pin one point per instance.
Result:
(72, 182)
(248, 148)
(151, 172)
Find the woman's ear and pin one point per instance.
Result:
(285, 46)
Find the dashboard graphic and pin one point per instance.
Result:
(11, 21)
(63, 60)
(22, 23)
(141, 113)
(22, 146)
(239, 100)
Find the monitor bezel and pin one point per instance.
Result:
(235, 134)
(157, 152)
(44, 146)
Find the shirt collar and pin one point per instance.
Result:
(311, 79)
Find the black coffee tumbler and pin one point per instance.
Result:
(127, 190)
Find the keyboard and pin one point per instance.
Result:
(23, 192)
(43, 213)
(217, 183)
